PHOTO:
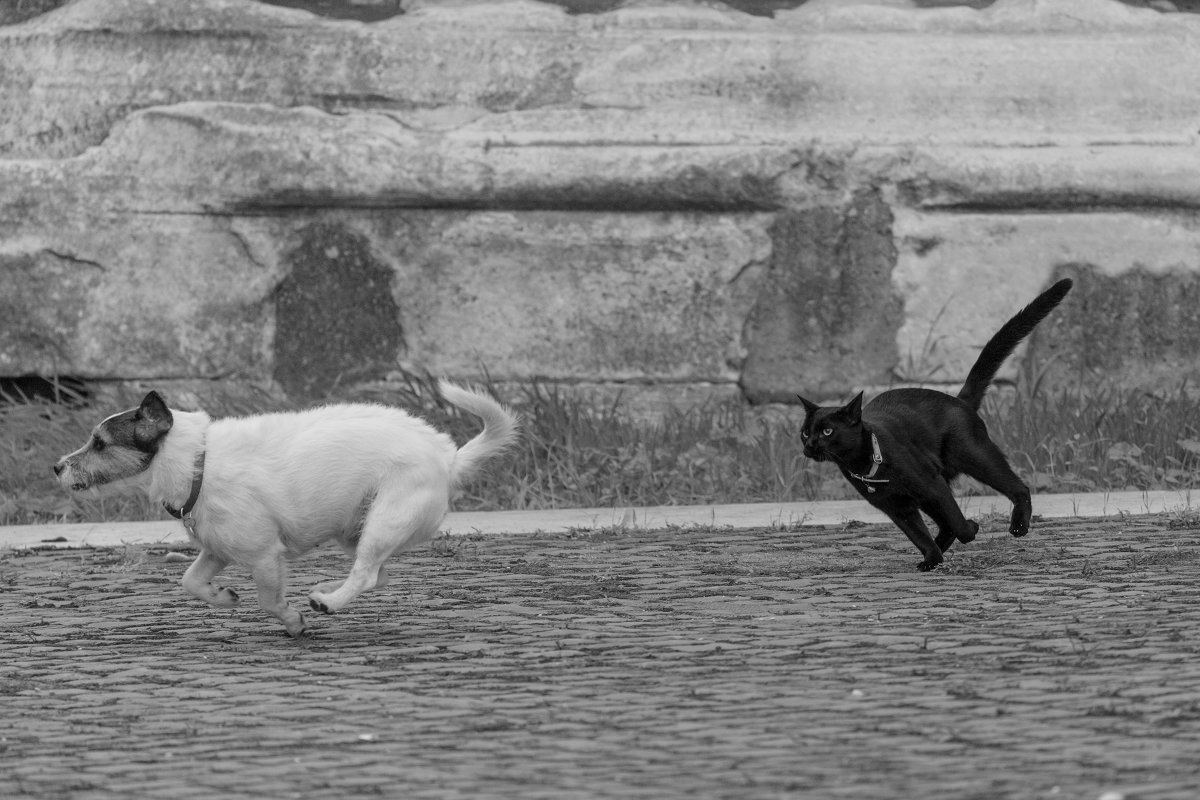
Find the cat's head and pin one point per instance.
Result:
(832, 433)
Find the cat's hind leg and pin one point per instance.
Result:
(986, 463)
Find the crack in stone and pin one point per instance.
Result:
(74, 259)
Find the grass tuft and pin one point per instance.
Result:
(1098, 438)
(576, 454)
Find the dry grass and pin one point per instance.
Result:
(575, 454)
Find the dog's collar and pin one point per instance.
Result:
(876, 461)
(197, 480)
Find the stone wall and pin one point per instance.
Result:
(679, 195)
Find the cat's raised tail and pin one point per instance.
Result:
(1000, 346)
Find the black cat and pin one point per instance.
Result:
(904, 448)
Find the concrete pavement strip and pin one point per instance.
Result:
(746, 515)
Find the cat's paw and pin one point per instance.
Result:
(1018, 524)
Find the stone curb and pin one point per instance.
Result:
(746, 515)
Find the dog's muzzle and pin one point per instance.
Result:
(67, 478)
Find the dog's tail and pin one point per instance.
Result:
(1000, 346)
(499, 429)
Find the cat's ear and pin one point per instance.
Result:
(810, 407)
(852, 411)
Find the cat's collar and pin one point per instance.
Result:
(876, 461)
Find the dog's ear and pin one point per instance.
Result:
(810, 407)
(852, 411)
(154, 418)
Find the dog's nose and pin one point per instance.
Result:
(58, 468)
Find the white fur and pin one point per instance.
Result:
(373, 478)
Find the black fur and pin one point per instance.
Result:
(141, 428)
(927, 439)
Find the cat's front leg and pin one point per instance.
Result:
(948, 536)
(1022, 512)
(952, 525)
(914, 528)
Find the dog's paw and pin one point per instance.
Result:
(317, 604)
(297, 627)
(224, 597)
(969, 535)
(927, 565)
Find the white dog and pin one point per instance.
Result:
(256, 490)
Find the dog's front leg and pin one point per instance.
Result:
(270, 575)
(197, 581)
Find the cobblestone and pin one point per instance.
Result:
(802, 663)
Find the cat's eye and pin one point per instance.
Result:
(827, 432)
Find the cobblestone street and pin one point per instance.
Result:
(688, 662)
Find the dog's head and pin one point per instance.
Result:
(121, 447)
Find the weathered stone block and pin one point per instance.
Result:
(335, 320)
(964, 274)
(580, 295)
(130, 295)
(1136, 327)
(827, 316)
(44, 300)
(846, 194)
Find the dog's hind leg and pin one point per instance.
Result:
(197, 581)
(270, 576)
(349, 546)
(401, 517)
(329, 587)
